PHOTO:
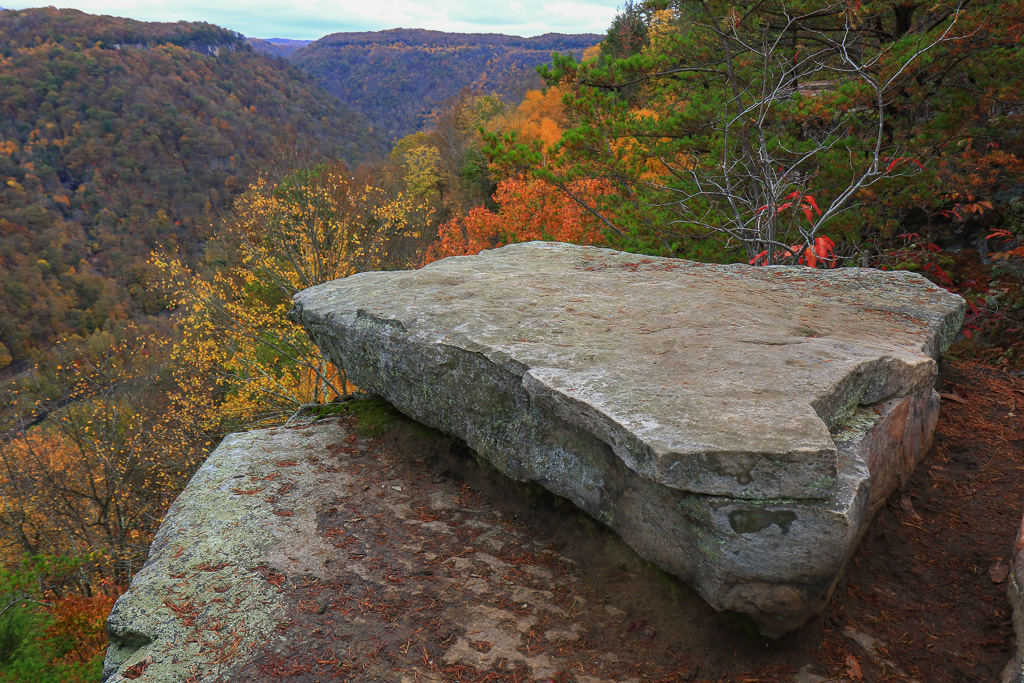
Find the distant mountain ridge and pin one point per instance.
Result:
(396, 78)
(69, 26)
(281, 47)
(414, 37)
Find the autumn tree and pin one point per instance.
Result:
(540, 118)
(92, 452)
(465, 176)
(528, 209)
(51, 631)
(310, 227)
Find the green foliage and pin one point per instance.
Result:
(627, 34)
(767, 125)
(375, 415)
(32, 650)
(29, 654)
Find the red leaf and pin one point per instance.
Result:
(136, 671)
(783, 207)
(759, 257)
(899, 159)
(825, 245)
(825, 248)
(810, 200)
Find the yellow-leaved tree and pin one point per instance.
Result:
(92, 453)
(313, 226)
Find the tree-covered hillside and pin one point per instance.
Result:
(397, 78)
(117, 136)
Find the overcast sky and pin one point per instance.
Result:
(311, 19)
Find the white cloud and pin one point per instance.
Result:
(309, 19)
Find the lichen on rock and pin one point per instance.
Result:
(207, 598)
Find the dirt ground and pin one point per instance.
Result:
(447, 572)
(928, 581)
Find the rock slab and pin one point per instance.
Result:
(358, 559)
(738, 426)
(207, 600)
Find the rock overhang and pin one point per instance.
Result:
(721, 380)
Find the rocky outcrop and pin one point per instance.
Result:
(206, 602)
(736, 425)
(313, 552)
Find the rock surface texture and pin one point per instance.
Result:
(738, 426)
(206, 600)
(312, 553)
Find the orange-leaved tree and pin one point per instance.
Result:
(528, 209)
(540, 117)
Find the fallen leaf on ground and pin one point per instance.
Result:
(136, 671)
(999, 571)
(952, 397)
(853, 669)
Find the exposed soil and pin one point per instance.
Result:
(447, 572)
(928, 581)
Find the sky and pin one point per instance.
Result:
(312, 19)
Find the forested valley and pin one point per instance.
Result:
(166, 189)
(423, 69)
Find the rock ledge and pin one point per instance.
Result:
(736, 425)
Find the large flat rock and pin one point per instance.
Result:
(309, 553)
(736, 425)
